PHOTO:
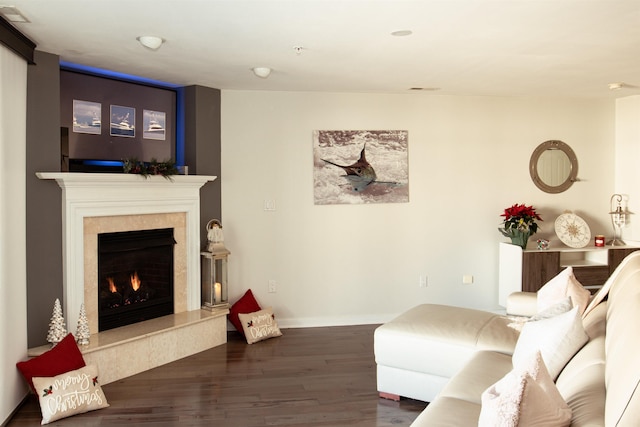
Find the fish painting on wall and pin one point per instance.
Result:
(360, 166)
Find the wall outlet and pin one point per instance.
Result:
(273, 286)
(269, 205)
(467, 279)
(422, 281)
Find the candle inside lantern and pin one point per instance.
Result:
(217, 292)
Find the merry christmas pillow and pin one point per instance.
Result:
(259, 325)
(71, 393)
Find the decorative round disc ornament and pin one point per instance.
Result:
(572, 230)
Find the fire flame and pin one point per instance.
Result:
(135, 281)
(112, 285)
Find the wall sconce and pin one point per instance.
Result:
(618, 220)
(214, 269)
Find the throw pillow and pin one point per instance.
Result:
(557, 338)
(64, 357)
(559, 308)
(260, 325)
(246, 304)
(526, 396)
(563, 285)
(71, 393)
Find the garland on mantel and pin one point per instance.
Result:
(166, 168)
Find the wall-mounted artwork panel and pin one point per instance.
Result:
(110, 119)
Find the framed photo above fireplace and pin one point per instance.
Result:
(86, 117)
(153, 123)
(123, 121)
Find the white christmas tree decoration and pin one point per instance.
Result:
(57, 327)
(82, 331)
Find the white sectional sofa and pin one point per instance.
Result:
(449, 356)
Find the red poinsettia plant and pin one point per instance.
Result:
(519, 219)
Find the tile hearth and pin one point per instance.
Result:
(132, 349)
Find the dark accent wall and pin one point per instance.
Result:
(44, 203)
(202, 148)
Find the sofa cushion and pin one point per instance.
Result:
(582, 386)
(482, 370)
(622, 371)
(525, 396)
(557, 338)
(561, 286)
(448, 412)
(522, 304)
(619, 274)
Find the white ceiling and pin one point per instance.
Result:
(559, 48)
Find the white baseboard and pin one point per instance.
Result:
(318, 322)
(315, 322)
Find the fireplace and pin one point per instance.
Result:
(135, 276)
(96, 203)
(100, 203)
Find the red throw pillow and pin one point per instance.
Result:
(62, 358)
(246, 304)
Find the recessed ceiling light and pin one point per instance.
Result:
(616, 86)
(12, 14)
(401, 33)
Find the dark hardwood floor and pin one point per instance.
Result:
(308, 377)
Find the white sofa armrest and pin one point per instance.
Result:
(522, 304)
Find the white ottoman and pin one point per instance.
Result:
(419, 351)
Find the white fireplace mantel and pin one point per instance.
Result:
(113, 194)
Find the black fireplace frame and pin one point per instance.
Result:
(122, 242)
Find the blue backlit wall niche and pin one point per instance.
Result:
(111, 116)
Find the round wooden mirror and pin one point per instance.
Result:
(553, 166)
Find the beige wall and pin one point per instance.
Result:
(468, 160)
(628, 160)
(13, 280)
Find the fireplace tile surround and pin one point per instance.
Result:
(96, 203)
(111, 224)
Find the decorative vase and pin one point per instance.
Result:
(520, 238)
